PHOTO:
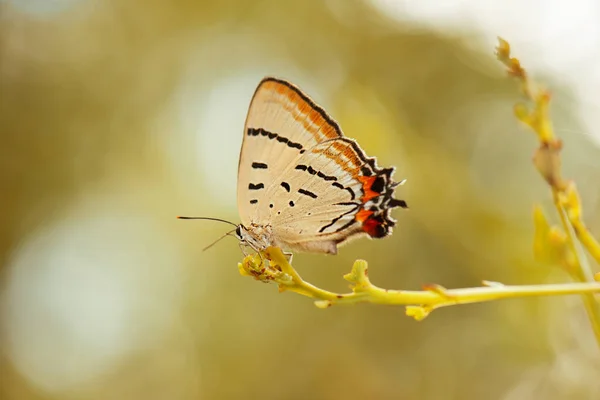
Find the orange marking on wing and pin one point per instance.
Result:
(335, 157)
(342, 150)
(303, 112)
(347, 151)
(346, 158)
(339, 146)
(352, 156)
(367, 182)
(315, 117)
(363, 215)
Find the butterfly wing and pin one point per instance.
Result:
(298, 174)
(338, 193)
(282, 124)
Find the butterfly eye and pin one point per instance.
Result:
(238, 232)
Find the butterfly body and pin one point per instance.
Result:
(303, 185)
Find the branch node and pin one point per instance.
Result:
(547, 161)
(419, 313)
(439, 290)
(358, 276)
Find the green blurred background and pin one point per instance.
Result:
(116, 116)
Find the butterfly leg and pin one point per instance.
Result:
(244, 245)
(288, 256)
(243, 248)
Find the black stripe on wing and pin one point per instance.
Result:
(276, 136)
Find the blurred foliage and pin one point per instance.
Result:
(567, 241)
(90, 121)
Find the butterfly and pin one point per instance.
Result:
(302, 185)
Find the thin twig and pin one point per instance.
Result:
(565, 195)
(419, 302)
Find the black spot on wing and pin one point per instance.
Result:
(352, 195)
(347, 203)
(257, 186)
(253, 201)
(378, 185)
(313, 171)
(259, 165)
(307, 193)
(336, 219)
(340, 186)
(328, 225)
(273, 135)
(286, 186)
(326, 177)
(341, 228)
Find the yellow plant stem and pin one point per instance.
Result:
(582, 271)
(565, 194)
(587, 239)
(566, 198)
(272, 265)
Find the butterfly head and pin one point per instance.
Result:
(258, 237)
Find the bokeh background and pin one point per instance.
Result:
(116, 116)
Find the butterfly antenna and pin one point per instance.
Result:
(218, 240)
(209, 219)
